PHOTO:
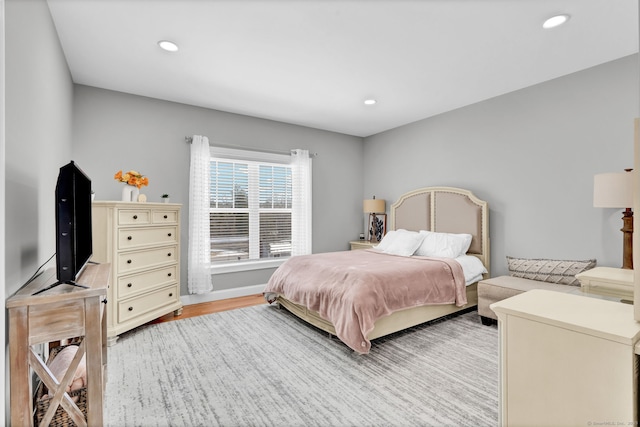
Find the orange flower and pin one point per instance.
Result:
(132, 177)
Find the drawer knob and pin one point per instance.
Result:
(129, 237)
(130, 308)
(129, 285)
(169, 274)
(165, 217)
(169, 234)
(171, 294)
(169, 254)
(135, 217)
(128, 261)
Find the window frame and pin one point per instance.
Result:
(230, 154)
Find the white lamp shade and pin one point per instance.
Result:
(374, 206)
(613, 190)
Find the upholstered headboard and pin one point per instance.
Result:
(446, 210)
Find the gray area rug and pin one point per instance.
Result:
(261, 366)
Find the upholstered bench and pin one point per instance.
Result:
(502, 287)
(526, 274)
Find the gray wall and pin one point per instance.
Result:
(114, 131)
(38, 118)
(532, 155)
(38, 135)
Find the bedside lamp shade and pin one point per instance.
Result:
(613, 190)
(374, 206)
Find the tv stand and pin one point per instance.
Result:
(69, 282)
(63, 313)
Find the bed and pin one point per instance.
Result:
(431, 211)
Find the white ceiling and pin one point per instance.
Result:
(313, 62)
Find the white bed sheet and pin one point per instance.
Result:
(472, 267)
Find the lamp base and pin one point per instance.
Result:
(627, 239)
(373, 232)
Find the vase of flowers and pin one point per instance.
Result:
(165, 198)
(133, 180)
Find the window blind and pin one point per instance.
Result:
(250, 207)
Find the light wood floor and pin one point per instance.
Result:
(213, 307)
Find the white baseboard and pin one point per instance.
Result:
(223, 294)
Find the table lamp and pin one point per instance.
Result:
(373, 207)
(615, 190)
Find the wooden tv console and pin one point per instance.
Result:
(57, 314)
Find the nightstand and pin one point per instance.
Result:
(362, 244)
(609, 282)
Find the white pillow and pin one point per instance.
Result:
(404, 243)
(472, 267)
(444, 245)
(386, 240)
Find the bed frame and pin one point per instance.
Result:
(442, 209)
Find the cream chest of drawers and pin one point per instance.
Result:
(142, 243)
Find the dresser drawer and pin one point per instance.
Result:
(130, 238)
(164, 217)
(132, 261)
(136, 283)
(138, 306)
(134, 216)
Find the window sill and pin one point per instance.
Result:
(247, 266)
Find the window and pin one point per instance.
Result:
(251, 206)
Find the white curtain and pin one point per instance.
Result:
(301, 204)
(198, 274)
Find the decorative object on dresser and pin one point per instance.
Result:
(615, 190)
(142, 241)
(165, 198)
(377, 223)
(130, 193)
(133, 180)
(59, 313)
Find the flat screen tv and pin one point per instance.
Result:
(74, 244)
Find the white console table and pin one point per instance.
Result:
(567, 360)
(59, 313)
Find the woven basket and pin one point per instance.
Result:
(61, 418)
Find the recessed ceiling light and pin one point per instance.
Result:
(369, 101)
(555, 21)
(168, 46)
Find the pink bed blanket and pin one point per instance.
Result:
(353, 289)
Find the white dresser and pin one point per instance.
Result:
(142, 243)
(567, 360)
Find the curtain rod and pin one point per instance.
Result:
(188, 140)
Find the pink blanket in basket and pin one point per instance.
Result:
(353, 289)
